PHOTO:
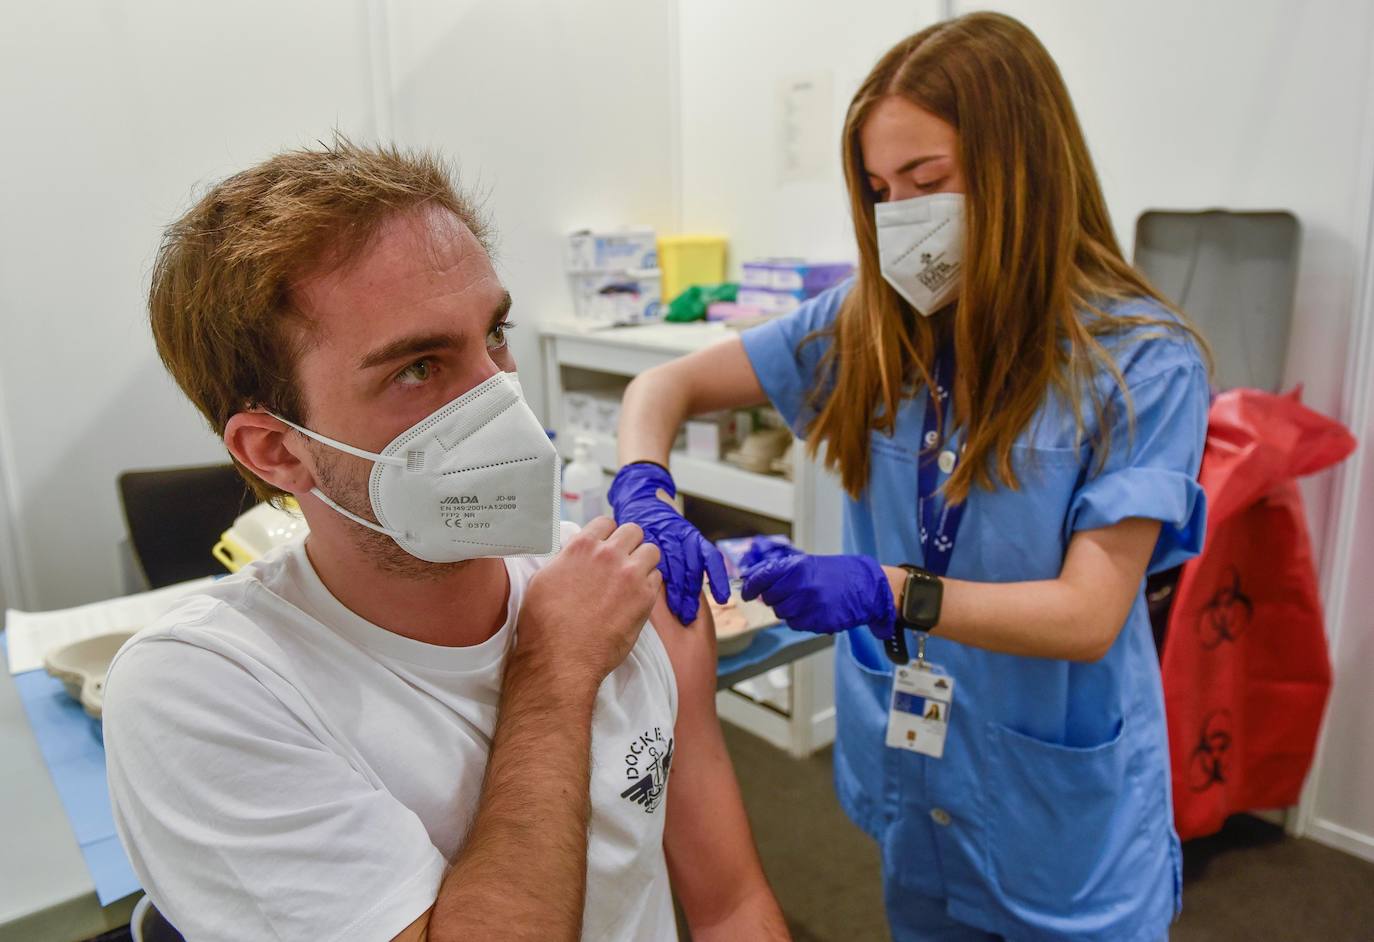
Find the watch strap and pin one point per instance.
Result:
(897, 651)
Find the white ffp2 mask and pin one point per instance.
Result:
(478, 477)
(921, 248)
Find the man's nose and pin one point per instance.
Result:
(481, 372)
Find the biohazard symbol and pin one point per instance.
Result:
(1207, 766)
(1227, 613)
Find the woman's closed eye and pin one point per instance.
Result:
(906, 190)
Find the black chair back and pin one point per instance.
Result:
(175, 515)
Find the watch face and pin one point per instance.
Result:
(921, 601)
(921, 610)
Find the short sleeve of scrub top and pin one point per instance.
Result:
(1154, 455)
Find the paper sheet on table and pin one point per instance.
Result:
(31, 635)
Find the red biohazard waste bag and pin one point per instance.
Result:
(1245, 665)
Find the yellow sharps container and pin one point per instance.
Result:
(689, 260)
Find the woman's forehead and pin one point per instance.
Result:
(898, 132)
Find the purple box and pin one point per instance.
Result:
(795, 276)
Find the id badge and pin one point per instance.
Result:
(918, 718)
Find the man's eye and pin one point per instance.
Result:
(496, 338)
(415, 374)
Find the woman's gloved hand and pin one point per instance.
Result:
(764, 548)
(685, 554)
(824, 594)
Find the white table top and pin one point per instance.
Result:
(672, 338)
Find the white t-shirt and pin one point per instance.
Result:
(282, 769)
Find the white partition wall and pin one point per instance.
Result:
(12, 592)
(111, 113)
(737, 60)
(1338, 805)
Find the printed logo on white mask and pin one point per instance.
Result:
(921, 248)
(477, 478)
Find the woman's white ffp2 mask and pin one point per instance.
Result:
(921, 248)
(477, 478)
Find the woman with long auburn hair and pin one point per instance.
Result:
(1018, 419)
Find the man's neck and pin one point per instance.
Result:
(462, 606)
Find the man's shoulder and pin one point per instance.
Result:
(239, 619)
(176, 643)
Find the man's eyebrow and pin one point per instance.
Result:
(419, 344)
(412, 346)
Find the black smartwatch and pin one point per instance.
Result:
(918, 609)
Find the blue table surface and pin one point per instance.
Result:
(766, 644)
(72, 747)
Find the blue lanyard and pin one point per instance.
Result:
(939, 521)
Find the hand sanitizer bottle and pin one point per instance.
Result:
(584, 485)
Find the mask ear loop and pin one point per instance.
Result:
(329, 501)
(356, 452)
(340, 446)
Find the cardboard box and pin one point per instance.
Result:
(620, 250)
(709, 436)
(613, 298)
(577, 412)
(770, 301)
(606, 415)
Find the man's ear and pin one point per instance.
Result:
(271, 449)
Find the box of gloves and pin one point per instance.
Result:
(590, 250)
(780, 285)
(617, 298)
(614, 276)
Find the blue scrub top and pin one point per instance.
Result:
(1049, 816)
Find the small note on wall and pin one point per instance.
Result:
(808, 141)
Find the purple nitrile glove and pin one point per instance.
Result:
(825, 594)
(764, 548)
(686, 554)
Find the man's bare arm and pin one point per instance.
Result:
(712, 861)
(522, 872)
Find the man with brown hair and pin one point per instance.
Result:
(416, 723)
